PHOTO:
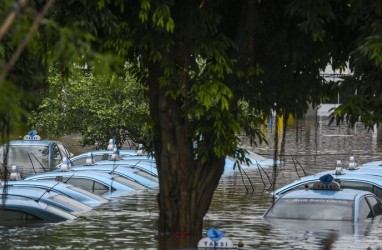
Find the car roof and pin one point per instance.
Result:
(372, 164)
(116, 167)
(99, 176)
(343, 194)
(91, 174)
(31, 142)
(364, 171)
(27, 192)
(121, 170)
(110, 152)
(48, 184)
(347, 176)
(375, 180)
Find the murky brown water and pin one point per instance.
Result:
(129, 222)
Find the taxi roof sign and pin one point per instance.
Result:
(215, 240)
(32, 136)
(326, 183)
(331, 186)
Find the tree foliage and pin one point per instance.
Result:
(98, 107)
(209, 70)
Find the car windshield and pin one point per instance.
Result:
(29, 159)
(81, 160)
(312, 209)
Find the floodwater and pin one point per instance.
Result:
(237, 207)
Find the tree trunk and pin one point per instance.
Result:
(185, 187)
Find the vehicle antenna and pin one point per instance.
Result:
(69, 178)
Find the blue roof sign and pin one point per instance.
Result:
(215, 240)
(32, 136)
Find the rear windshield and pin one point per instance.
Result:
(312, 209)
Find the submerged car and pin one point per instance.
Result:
(326, 201)
(144, 168)
(16, 211)
(100, 155)
(33, 155)
(131, 177)
(95, 182)
(141, 166)
(68, 190)
(52, 198)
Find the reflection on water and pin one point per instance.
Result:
(237, 208)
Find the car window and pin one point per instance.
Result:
(362, 186)
(90, 185)
(78, 161)
(375, 205)
(19, 216)
(312, 209)
(86, 184)
(364, 210)
(63, 151)
(357, 185)
(297, 187)
(377, 191)
(82, 160)
(56, 155)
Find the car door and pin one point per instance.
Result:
(376, 207)
(56, 156)
(64, 151)
(364, 212)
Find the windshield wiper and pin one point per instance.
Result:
(47, 191)
(34, 170)
(38, 162)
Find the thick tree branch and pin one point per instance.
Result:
(24, 43)
(11, 17)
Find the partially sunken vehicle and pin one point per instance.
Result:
(33, 155)
(326, 200)
(68, 190)
(99, 155)
(144, 168)
(51, 198)
(131, 176)
(20, 211)
(95, 182)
